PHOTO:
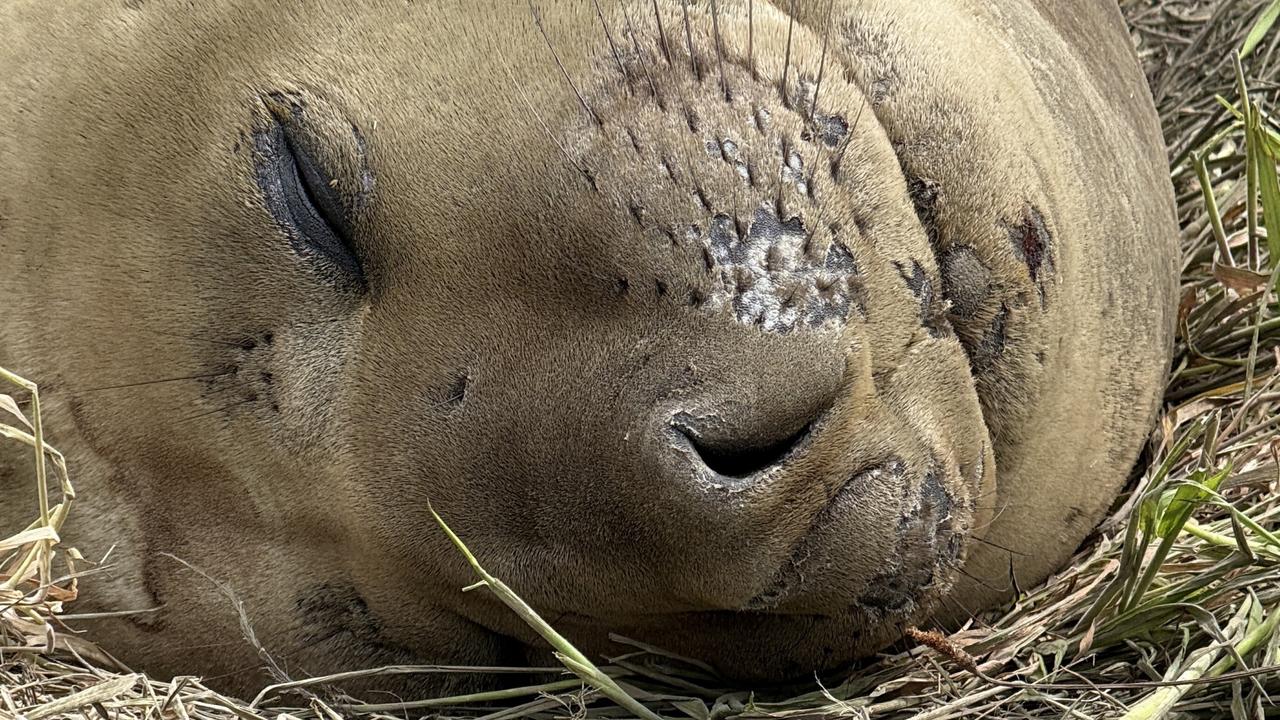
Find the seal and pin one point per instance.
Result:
(754, 331)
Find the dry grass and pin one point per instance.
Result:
(1170, 610)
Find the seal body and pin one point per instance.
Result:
(750, 335)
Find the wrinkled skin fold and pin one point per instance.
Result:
(755, 337)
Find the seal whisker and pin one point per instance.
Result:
(751, 37)
(684, 108)
(810, 186)
(951, 600)
(586, 172)
(999, 511)
(988, 493)
(642, 58)
(684, 146)
(813, 229)
(612, 47)
(715, 24)
(786, 59)
(214, 392)
(537, 20)
(662, 33)
(155, 382)
(782, 173)
(688, 41)
(980, 581)
(1006, 505)
(735, 208)
(691, 123)
(822, 63)
(211, 341)
(818, 151)
(998, 546)
(836, 162)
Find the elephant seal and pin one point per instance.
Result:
(754, 331)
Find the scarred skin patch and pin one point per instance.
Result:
(1033, 245)
(932, 316)
(770, 279)
(733, 184)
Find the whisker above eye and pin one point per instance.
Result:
(979, 580)
(161, 381)
(237, 344)
(998, 546)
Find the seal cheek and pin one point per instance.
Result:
(298, 376)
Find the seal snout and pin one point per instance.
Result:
(859, 515)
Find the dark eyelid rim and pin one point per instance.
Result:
(305, 206)
(323, 197)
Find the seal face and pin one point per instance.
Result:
(749, 335)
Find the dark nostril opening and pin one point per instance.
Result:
(739, 459)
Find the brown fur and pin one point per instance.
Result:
(548, 226)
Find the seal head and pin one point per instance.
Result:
(756, 337)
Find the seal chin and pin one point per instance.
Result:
(841, 590)
(927, 552)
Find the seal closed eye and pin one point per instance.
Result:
(301, 195)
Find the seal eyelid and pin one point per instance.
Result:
(305, 203)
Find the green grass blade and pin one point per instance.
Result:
(1211, 207)
(1260, 28)
(1269, 187)
(566, 653)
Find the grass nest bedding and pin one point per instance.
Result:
(1170, 609)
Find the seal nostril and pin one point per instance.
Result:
(739, 459)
